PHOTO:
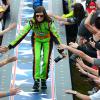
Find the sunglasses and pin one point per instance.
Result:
(39, 15)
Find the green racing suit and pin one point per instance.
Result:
(44, 35)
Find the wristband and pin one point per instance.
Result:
(8, 94)
(10, 46)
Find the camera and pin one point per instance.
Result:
(58, 58)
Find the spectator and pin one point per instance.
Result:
(10, 27)
(94, 28)
(87, 68)
(95, 96)
(2, 10)
(90, 5)
(6, 5)
(12, 91)
(83, 32)
(78, 15)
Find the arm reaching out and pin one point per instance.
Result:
(86, 68)
(88, 25)
(12, 91)
(7, 60)
(86, 73)
(59, 18)
(77, 94)
(10, 27)
(77, 52)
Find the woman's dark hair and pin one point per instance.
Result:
(97, 19)
(41, 9)
(79, 12)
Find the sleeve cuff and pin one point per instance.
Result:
(10, 47)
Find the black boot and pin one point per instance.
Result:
(43, 84)
(36, 85)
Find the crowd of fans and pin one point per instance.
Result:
(4, 15)
(86, 44)
(85, 15)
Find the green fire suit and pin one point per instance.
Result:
(44, 35)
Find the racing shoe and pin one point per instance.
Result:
(36, 85)
(43, 84)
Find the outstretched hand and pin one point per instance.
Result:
(14, 91)
(11, 59)
(61, 46)
(70, 91)
(3, 49)
(12, 26)
(80, 62)
(81, 69)
(73, 45)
